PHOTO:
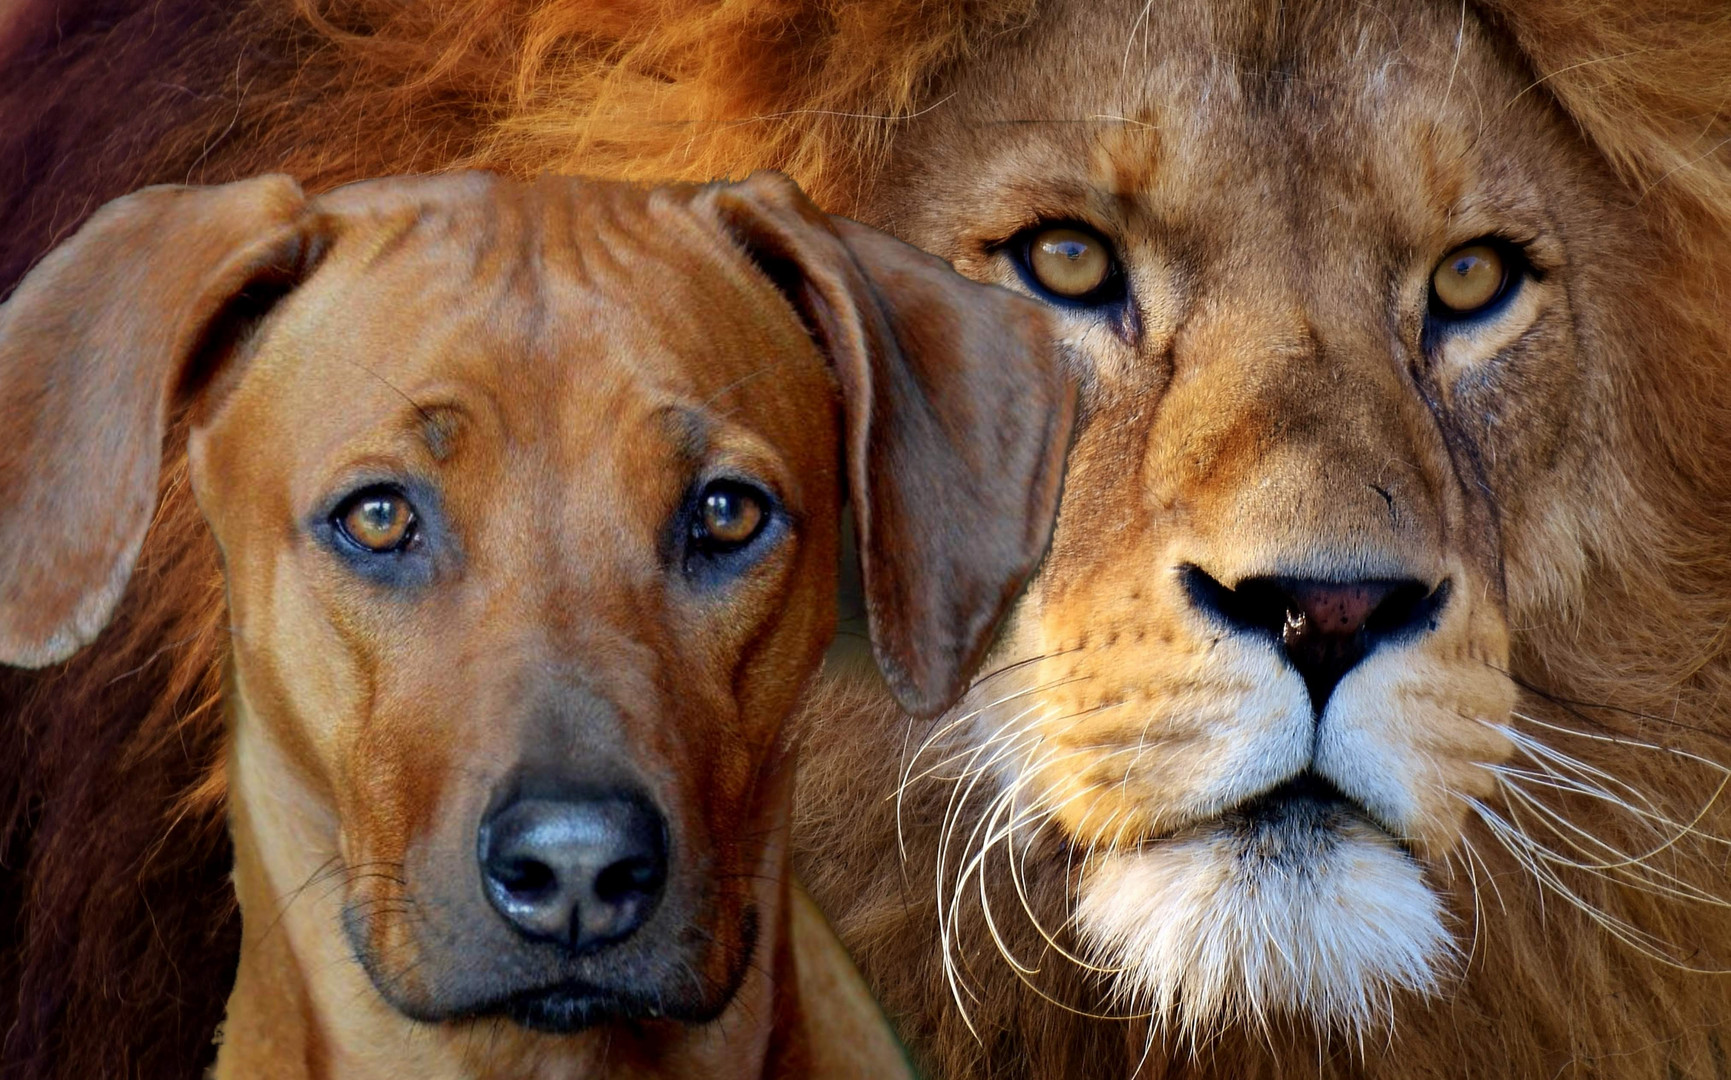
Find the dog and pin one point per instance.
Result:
(527, 500)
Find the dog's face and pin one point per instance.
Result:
(522, 580)
(527, 497)
(1334, 286)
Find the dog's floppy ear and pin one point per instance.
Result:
(96, 346)
(957, 420)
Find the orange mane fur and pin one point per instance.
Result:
(119, 935)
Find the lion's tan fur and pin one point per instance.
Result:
(1634, 642)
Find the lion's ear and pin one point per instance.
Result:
(957, 417)
(96, 346)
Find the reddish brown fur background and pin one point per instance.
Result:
(118, 937)
(117, 927)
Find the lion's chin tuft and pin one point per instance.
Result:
(1292, 907)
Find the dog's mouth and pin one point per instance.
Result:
(569, 1007)
(565, 995)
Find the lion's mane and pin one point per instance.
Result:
(117, 934)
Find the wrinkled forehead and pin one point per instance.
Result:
(557, 312)
(1256, 115)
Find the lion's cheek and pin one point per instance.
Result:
(1416, 734)
(1118, 742)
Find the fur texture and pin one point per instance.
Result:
(1620, 659)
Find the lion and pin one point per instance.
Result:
(1369, 715)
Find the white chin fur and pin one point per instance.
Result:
(1232, 924)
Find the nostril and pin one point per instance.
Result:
(1325, 627)
(1255, 604)
(524, 878)
(628, 880)
(1407, 606)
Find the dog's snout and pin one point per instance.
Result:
(1325, 627)
(583, 872)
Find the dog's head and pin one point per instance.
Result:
(527, 497)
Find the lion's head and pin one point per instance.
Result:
(1353, 313)
(1378, 668)
(1392, 543)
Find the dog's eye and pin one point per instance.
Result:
(379, 520)
(1472, 278)
(729, 516)
(1070, 264)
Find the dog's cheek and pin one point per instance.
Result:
(304, 689)
(731, 677)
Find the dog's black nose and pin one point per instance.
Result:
(583, 872)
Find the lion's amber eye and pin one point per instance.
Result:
(378, 520)
(730, 515)
(1069, 262)
(1468, 279)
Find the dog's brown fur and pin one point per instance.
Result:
(552, 372)
(570, 84)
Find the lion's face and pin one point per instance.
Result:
(1344, 313)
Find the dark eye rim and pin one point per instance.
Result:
(336, 519)
(1113, 289)
(708, 564)
(702, 541)
(1517, 270)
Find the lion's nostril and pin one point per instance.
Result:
(1325, 627)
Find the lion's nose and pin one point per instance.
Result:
(1326, 627)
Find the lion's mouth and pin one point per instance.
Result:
(1298, 820)
(1294, 900)
(1304, 801)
